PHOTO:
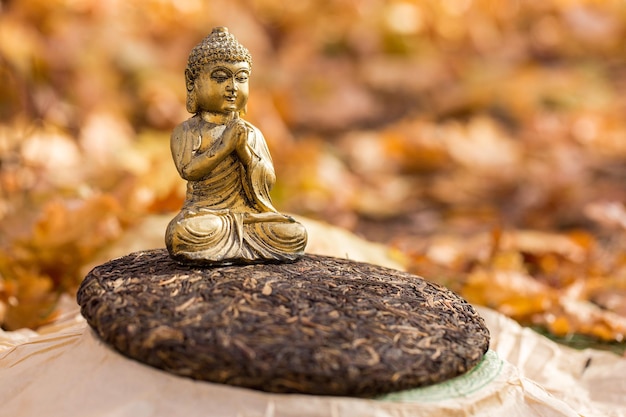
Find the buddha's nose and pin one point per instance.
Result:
(232, 85)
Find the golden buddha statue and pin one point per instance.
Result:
(227, 216)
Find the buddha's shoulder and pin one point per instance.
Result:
(251, 126)
(189, 126)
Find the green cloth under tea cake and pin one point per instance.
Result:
(320, 325)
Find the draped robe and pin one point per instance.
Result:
(228, 216)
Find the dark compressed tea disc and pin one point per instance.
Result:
(320, 325)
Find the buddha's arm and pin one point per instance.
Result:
(193, 165)
(252, 150)
(199, 165)
(244, 151)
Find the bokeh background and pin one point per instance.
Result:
(483, 140)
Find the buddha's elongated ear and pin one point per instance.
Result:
(192, 102)
(189, 80)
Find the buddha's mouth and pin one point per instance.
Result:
(230, 98)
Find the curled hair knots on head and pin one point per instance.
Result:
(219, 45)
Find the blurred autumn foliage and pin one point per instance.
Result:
(483, 139)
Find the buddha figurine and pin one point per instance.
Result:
(227, 216)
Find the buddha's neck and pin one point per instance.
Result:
(217, 118)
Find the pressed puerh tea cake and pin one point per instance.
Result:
(320, 325)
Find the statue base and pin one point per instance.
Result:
(320, 325)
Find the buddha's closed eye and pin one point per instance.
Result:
(221, 75)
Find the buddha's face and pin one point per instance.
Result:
(222, 87)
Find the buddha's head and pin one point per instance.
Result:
(217, 74)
